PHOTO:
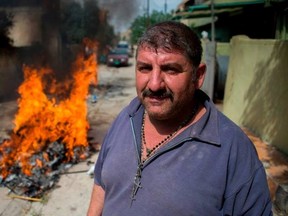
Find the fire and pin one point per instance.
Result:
(45, 116)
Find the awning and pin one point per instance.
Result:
(197, 22)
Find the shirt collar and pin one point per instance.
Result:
(205, 129)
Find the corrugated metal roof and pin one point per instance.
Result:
(225, 4)
(236, 1)
(206, 13)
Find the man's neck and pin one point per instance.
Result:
(156, 131)
(167, 126)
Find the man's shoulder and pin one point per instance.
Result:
(121, 122)
(131, 108)
(228, 131)
(214, 126)
(228, 127)
(128, 111)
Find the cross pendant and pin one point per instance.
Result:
(148, 151)
(137, 182)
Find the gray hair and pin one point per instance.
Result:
(173, 36)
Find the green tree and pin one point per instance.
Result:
(91, 19)
(88, 21)
(140, 24)
(72, 26)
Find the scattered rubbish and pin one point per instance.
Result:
(25, 198)
(91, 170)
(75, 172)
(46, 168)
(281, 200)
(94, 98)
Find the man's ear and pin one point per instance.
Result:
(200, 75)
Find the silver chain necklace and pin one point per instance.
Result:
(150, 152)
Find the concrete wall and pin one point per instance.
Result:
(256, 91)
(26, 29)
(10, 77)
(36, 41)
(11, 74)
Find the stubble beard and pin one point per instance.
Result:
(168, 109)
(160, 113)
(158, 110)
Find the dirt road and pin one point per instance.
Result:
(72, 194)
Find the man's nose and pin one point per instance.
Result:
(156, 80)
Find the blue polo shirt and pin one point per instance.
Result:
(211, 168)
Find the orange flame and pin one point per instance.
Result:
(42, 118)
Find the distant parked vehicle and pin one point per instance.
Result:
(125, 45)
(118, 57)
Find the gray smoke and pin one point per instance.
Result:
(121, 12)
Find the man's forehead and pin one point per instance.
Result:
(146, 53)
(158, 51)
(146, 47)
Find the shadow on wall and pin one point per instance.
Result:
(266, 97)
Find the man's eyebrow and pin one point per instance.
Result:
(174, 64)
(171, 66)
(142, 63)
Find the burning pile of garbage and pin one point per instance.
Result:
(51, 127)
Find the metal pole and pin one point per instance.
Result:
(148, 13)
(165, 6)
(212, 21)
(210, 58)
(213, 46)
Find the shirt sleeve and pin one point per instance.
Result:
(98, 166)
(101, 158)
(252, 198)
(247, 191)
(106, 145)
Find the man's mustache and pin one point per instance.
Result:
(160, 93)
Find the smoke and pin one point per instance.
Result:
(121, 13)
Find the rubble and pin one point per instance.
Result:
(45, 173)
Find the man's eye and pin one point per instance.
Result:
(144, 69)
(171, 70)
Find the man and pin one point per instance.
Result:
(170, 152)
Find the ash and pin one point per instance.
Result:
(44, 177)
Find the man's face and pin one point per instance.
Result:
(165, 83)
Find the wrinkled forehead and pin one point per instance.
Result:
(164, 43)
(162, 49)
(159, 49)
